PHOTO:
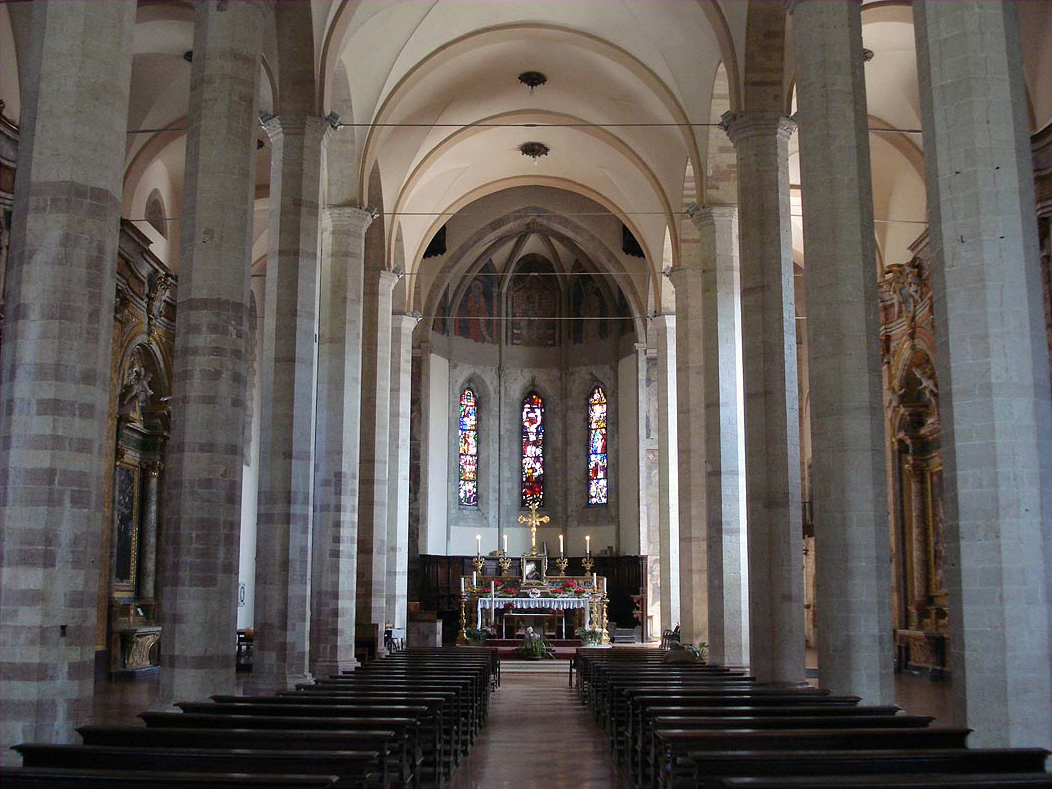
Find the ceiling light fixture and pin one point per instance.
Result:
(535, 150)
(532, 79)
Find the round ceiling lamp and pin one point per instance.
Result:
(534, 150)
(532, 79)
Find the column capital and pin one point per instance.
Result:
(664, 321)
(744, 125)
(348, 217)
(406, 321)
(385, 278)
(702, 216)
(300, 124)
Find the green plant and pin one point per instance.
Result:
(478, 633)
(700, 650)
(589, 635)
(536, 647)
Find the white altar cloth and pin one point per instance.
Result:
(534, 602)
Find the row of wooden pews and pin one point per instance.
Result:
(695, 726)
(403, 722)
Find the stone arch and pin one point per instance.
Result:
(156, 215)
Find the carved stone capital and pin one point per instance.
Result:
(312, 129)
(153, 468)
(704, 216)
(741, 126)
(348, 218)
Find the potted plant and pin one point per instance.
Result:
(700, 651)
(589, 636)
(535, 647)
(477, 635)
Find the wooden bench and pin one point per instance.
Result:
(674, 746)
(925, 781)
(50, 777)
(355, 769)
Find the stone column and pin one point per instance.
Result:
(148, 547)
(203, 492)
(849, 487)
(725, 472)
(279, 657)
(54, 367)
(668, 470)
(376, 408)
(992, 360)
(402, 326)
(690, 432)
(335, 542)
(772, 408)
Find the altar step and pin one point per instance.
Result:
(507, 648)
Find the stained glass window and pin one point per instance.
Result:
(598, 482)
(532, 450)
(468, 487)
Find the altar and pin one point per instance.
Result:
(532, 598)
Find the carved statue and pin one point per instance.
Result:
(162, 283)
(136, 391)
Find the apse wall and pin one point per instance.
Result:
(501, 377)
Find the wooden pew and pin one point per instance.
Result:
(392, 746)
(925, 781)
(355, 769)
(55, 777)
(675, 745)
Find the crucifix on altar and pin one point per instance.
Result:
(534, 520)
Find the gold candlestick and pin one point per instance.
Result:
(462, 636)
(504, 563)
(605, 638)
(479, 562)
(561, 563)
(587, 563)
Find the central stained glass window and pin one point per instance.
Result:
(598, 483)
(468, 489)
(532, 450)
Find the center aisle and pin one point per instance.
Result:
(538, 736)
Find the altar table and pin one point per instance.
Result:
(558, 603)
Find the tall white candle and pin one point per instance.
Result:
(560, 545)
(478, 544)
(595, 582)
(462, 589)
(505, 543)
(588, 545)
(474, 578)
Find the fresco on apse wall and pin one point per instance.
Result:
(533, 296)
(587, 301)
(475, 317)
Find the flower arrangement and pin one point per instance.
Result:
(699, 651)
(569, 588)
(504, 589)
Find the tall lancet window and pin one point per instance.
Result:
(468, 488)
(598, 482)
(532, 450)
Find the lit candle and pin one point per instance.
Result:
(478, 544)
(588, 545)
(560, 545)
(505, 544)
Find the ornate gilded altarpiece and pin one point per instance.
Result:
(139, 428)
(914, 430)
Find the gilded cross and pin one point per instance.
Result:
(534, 520)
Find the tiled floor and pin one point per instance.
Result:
(539, 737)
